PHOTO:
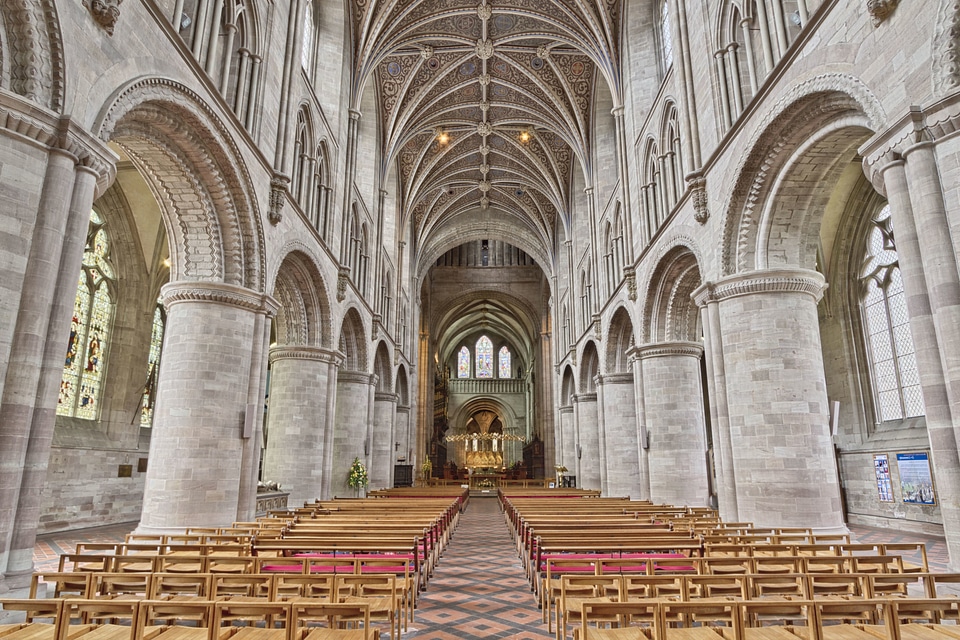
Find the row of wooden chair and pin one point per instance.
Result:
(867, 619)
(397, 593)
(83, 619)
(741, 587)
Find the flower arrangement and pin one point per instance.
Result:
(358, 474)
(426, 468)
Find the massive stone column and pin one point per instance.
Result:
(50, 195)
(643, 457)
(201, 424)
(354, 395)
(783, 456)
(587, 446)
(620, 435)
(382, 439)
(719, 413)
(298, 420)
(937, 396)
(673, 404)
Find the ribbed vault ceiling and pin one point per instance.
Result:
(486, 106)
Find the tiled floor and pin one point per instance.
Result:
(478, 590)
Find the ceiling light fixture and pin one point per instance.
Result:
(443, 137)
(525, 136)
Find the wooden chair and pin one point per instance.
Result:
(293, 587)
(723, 586)
(253, 585)
(778, 620)
(379, 591)
(633, 620)
(777, 585)
(40, 618)
(106, 614)
(555, 569)
(334, 615)
(575, 590)
(231, 564)
(178, 585)
(175, 620)
(60, 584)
(125, 586)
(697, 620)
(408, 583)
(261, 619)
(836, 585)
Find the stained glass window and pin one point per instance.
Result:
(463, 363)
(504, 362)
(153, 366)
(896, 380)
(89, 328)
(484, 357)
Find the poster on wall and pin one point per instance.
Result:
(884, 486)
(916, 482)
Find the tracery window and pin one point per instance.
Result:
(484, 357)
(896, 381)
(463, 363)
(505, 371)
(90, 327)
(153, 369)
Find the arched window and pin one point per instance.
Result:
(666, 41)
(301, 159)
(306, 51)
(673, 163)
(89, 328)
(505, 371)
(153, 369)
(484, 357)
(321, 191)
(896, 381)
(652, 201)
(463, 363)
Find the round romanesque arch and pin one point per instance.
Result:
(184, 151)
(589, 368)
(353, 342)
(620, 340)
(669, 313)
(799, 153)
(383, 369)
(304, 316)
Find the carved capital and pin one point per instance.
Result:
(217, 292)
(670, 349)
(104, 12)
(278, 196)
(753, 282)
(300, 352)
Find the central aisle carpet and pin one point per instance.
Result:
(479, 590)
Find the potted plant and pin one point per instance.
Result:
(358, 476)
(426, 470)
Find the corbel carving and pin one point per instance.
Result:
(631, 277)
(278, 196)
(105, 12)
(342, 278)
(698, 193)
(881, 9)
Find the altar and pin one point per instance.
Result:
(485, 480)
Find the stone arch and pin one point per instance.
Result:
(403, 387)
(568, 387)
(188, 157)
(620, 340)
(304, 316)
(669, 312)
(382, 368)
(32, 61)
(589, 367)
(484, 403)
(825, 117)
(353, 342)
(946, 48)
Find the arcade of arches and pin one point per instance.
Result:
(699, 252)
